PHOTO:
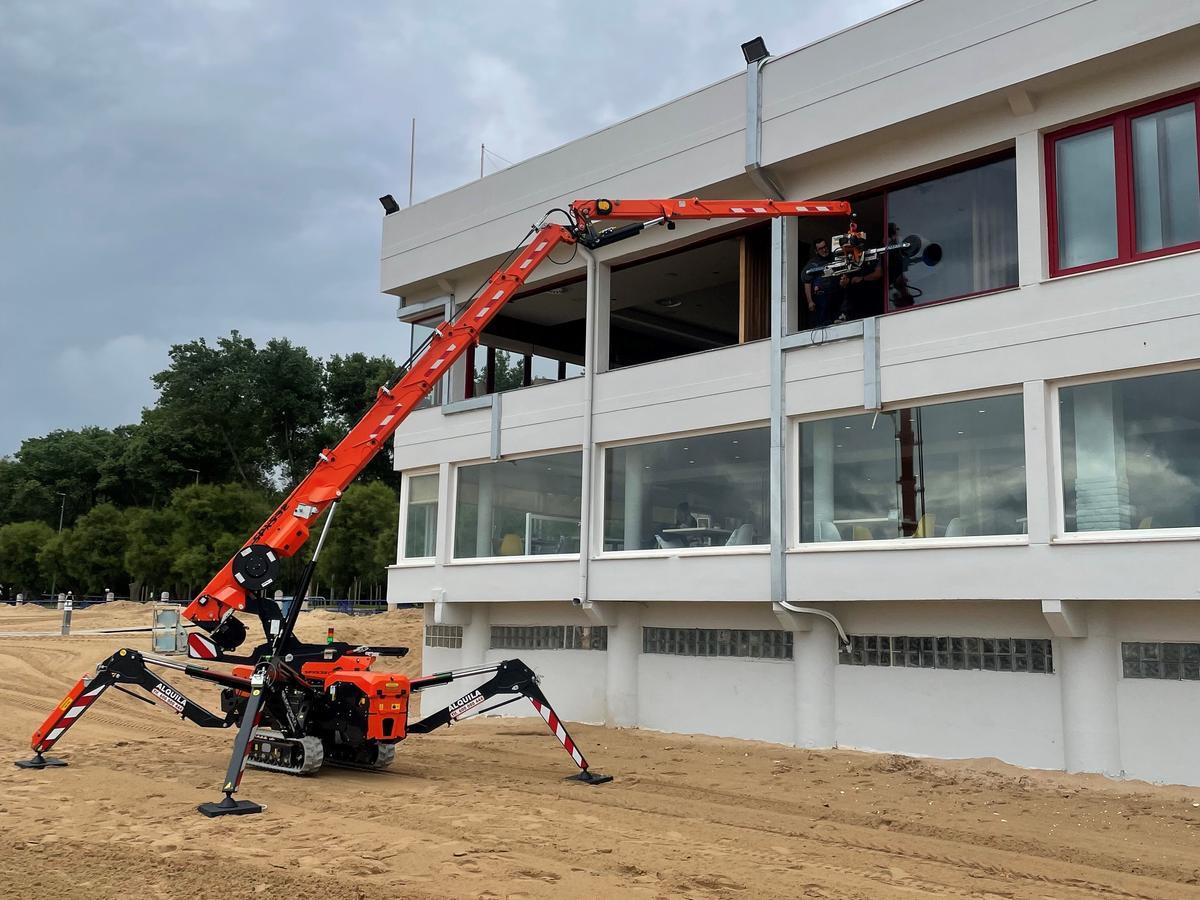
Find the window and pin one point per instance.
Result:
(420, 523)
(1124, 187)
(946, 470)
(1131, 453)
(518, 507)
(446, 636)
(1168, 661)
(709, 295)
(987, 654)
(709, 490)
(729, 642)
(536, 339)
(965, 222)
(549, 637)
(421, 332)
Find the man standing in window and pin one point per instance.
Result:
(860, 287)
(820, 292)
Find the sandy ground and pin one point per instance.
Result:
(481, 811)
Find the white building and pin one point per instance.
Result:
(989, 475)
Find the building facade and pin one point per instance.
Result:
(975, 468)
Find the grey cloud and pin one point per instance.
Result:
(176, 169)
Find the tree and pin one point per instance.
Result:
(95, 550)
(147, 548)
(20, 544)
(290, 390)
(208, 395)
(23, 499)
(509, 372)
(209, 523)
(351, 386)
(362, 539)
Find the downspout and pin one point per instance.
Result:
(760, 176)
(779, 319)
(588, 450)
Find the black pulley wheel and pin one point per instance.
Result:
(256, 567)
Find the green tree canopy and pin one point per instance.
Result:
(362, 540)
(20, 544)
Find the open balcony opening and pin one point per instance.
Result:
(708, 296)
(538, 338)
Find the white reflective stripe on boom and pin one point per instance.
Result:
(55, 734)
(75, 711)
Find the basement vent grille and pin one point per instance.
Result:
(549, 637)
(986, 654)
(727, 642)
(1165, 661)
(448, 636)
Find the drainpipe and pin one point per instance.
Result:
(588, 450)
(757, 57)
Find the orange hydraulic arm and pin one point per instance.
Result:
(255, 566)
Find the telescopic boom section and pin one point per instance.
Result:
(288, 526)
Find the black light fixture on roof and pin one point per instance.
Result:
(755, 50)
(389, 204)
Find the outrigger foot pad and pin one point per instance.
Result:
(39, 762)
(590, 778)
(230, 807)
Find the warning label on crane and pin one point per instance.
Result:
(464, 705)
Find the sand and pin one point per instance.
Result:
(481, 811)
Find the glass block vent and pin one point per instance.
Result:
(448, 636)
(987, 654)
(1160, 659)
(732, 642)
(549, 637)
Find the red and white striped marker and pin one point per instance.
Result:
(560, 732)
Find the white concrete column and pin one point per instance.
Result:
(1101, 486)
(822, 462)
(814, 656)
(1043, 495)
(1088, 674)
(1031, 208)
(624, 651)
(634, 494)
(477, 635)
(483, 516)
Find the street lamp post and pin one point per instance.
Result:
(197, 473)
(61, 510)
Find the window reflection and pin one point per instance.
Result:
(1165, 178)
(421, 332)
(1130, 453)
(706, 491)
(518, 507)
(1086, 195)
(420, 534)
(946, 470)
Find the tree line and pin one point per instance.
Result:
(162, 504)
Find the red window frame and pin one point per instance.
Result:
(1121, 124)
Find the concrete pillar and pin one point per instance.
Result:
(814, 656)
(62, 600)
(1101, 486)
(634, 497)
(822, 460)
(624, 651)
(477, 635)
(483, 520)
(1088, 674)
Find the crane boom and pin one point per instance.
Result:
(255, 567)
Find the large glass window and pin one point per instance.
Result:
(1124, 187)
(420, 528)
(706, 491)
(946, 470)
(951, 235)
(518, 507)
(1131, 453)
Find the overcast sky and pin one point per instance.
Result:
(173, 170)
